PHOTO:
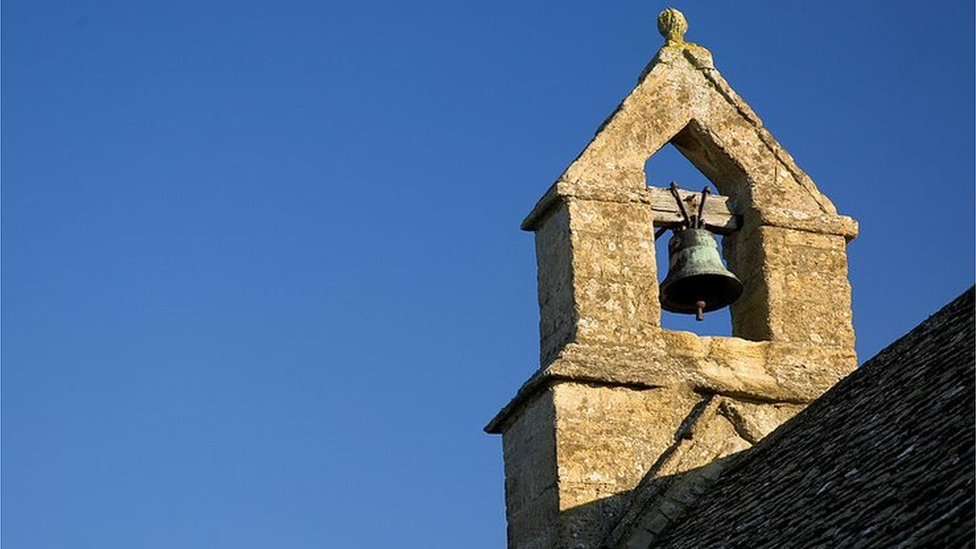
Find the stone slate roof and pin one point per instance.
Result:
(883, 459)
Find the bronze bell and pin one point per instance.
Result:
(697, 280)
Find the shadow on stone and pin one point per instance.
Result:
(635, 518)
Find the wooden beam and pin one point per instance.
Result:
(718, 215)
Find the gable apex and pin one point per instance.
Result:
(683, 100)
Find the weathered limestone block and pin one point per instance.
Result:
(597, 274)
(606, 440)
(714, 439)
(614, 271)
(531, 492)
(753, 421)
(680, 476)
(799, 291)
(557, 318)
(575, 451)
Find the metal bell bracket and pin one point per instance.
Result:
(690, 222)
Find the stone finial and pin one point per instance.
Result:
(672, 25)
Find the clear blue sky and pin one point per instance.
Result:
(263, 282)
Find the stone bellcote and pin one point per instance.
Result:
(605, 411)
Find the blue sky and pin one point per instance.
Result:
(263, 282)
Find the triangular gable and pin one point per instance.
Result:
(683, 100)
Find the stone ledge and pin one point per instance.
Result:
(760, 371)
(839, 225)
(562, 190)
(813, 222)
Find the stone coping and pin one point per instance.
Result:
(761, 371)
(818, 222)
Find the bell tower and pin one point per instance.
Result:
(623, 415)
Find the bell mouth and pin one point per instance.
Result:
(714, 289)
